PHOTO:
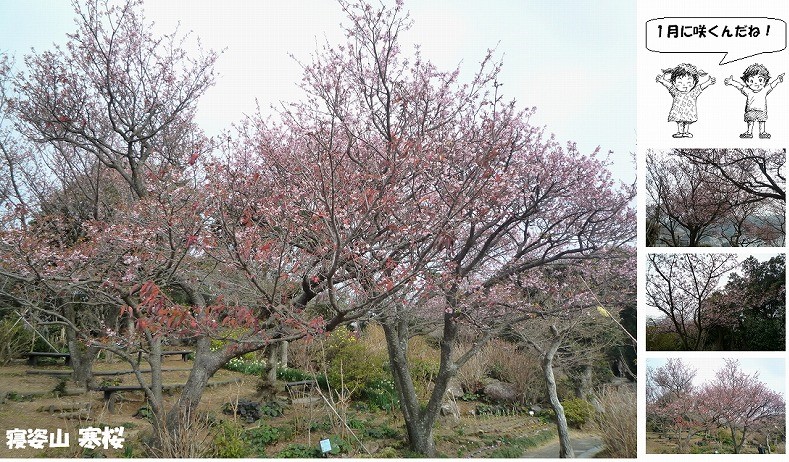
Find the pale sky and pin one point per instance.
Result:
(771, 370)
(573, 60)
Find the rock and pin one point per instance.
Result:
(454, 388)
(450, 409)
(372, 446)
(501, 391)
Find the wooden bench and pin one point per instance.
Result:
(110, 392)
(32, 356)
(184, 353)
(302, 384)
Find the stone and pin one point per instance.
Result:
(450, 409)
(372, 446)
(454, 388)
(501, 391)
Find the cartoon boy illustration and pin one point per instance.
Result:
(683, 85)
(755, 79)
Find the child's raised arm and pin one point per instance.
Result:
(730, 81)
(661, 79)
(710, 80)
(776, 81)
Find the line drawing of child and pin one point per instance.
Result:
(682, 83)
(755, 79)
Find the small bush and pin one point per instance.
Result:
(14, 339)
(388, 453)
(577, 411)
(299, 451)
(380, 432)
(190, 441)
(259, 437)
(350, 364)
(229, 441)
(381, 394)
(249, 411)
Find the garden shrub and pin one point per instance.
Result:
(577, 411)
(349, 363)
(14, 339)
(257, 438)
(228, 441)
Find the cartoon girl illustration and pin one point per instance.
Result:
(683, 85)
(756, 79)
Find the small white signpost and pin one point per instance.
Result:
(325, 446)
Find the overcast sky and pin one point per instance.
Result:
(573, 60)
(770, 370)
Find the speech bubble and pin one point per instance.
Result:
(737, 38)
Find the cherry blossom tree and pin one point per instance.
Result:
(680, 286)
(106, 209)
(757, 172)
(686, 204)
(734, 400)
(391, 191)
(735, 196)
(672, 403)
(573, 329)
(411, 198)
(740, 401)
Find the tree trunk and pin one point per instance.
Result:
(206, 363)
(565, 447)
(419, 420)
(271, 365)
(583, 382)
(283, 354)
(82, 357)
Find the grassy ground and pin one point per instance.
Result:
(30, 403)
(664, 444)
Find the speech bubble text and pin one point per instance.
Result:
(737, 38)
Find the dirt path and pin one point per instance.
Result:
(585, 445)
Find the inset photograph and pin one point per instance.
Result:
(716, 302)
(715, 406)
(716, 198)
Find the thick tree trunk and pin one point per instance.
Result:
(206, 363)
(419, 420)
(82, 357)
(418, 424)
(583, 382)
